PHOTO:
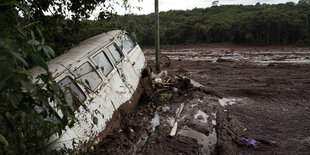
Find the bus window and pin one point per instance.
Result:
(68, 86)
(115, 52)
(87, 74)
(102, 61)
(127, 43)
(51, 117)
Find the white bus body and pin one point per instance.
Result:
(111, 65)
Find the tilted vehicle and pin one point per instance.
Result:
(104, 72)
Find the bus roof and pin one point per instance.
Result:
(79, 52)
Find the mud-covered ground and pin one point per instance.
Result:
(259, 93)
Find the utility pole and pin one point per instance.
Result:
(157, 42)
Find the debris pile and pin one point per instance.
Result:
(162, 82)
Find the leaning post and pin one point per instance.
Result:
(157, 41)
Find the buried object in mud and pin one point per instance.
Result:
(174, 129)
(250, 142)
(254, 142)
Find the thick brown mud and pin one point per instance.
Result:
(260, 93)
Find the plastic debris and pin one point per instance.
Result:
(250, 142)
(162, 82)
(158, 80)
(175, 90)
(284, 109)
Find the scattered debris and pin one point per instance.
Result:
(245, 129)
(155, 122)
(174, 129)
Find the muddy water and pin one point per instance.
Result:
(208, 142)
(203, 117)
(256, 92)
(263, 56)
(228, 101)
(264, 94)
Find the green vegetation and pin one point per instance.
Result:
(260, 24)
(160, 101)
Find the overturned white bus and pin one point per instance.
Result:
(110, 66)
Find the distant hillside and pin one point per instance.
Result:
(260, 24)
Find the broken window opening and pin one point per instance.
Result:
(51, 116)
(127, 43)
(88, 76)
(73, 93)
(115, 52)
(102, 62)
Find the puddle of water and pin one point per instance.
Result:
(227, 101)
(141, 142)
(204, 116)
(196, 84)
(208, 142)
(155, 122)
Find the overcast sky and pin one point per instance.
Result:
(165, 5)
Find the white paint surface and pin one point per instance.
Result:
(115, 89)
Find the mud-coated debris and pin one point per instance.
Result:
(223, 60)
(250, 142)
(268, 142)
(148, 89)
(158, 80)
(175, 90)
(174, 129)
(172, 79)
(164, 74)
(185, 84)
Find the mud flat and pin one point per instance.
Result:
(257, 93)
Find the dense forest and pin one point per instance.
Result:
(260, 24)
